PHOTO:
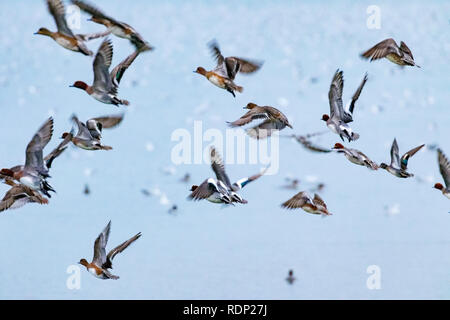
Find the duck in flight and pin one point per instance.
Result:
(399, 166)
(226, 69)
(304, 201)
(220, 190)
(89, 134)
(106, 84)
(339, 118)
(102, 261)
(444, 168)
(35, 172)
(273, 118)
(117, 28)
(64, 36)
(389, 49)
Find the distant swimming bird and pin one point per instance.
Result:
(290, 278)
(186, 178)
(173, 209)
(306, 142)
(398, 166)
(356, 156)
(303, 200)
(274, 120)
(221, 190)
(102, 262)
(227, 68)
(444, 168)
(292, 185)
(339, 118)
(35, 172)
(106, 85)
(19, 195)
(87, 190)
(64, 36)
(89, 134)
(390, 50)
(117, 28)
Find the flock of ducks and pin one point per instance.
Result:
(29, 183)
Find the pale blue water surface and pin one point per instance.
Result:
(205, 251)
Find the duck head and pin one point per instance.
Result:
(105, 22)
(7, 172)
(193, 188)
(201, 70)
(325, 117)
(250, 105)
(439, 186)
(80, 85)
(383, 165)
(44, 31)
(83, 262)
(338, 146)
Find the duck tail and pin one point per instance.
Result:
(239, 89)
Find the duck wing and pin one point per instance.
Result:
(57, 151)
(102, 62)
(203, 191)
(119, 249)
(409, 154)
(57, 10)
(335, 95)
(404, 48)
(355, 98)
(92, 10)
(117, 73)
(297, 201)
(238, 185)
(444, 167)
(318, 201)
(219, 168)
(34, 154)
(83, 132)
(395, 159)
(109, 121)
(99, 246)
(381, 50)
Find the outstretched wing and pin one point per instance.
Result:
(83, 132)
(381, 50)
(56, 9)
(34, 155)
(238, 185)
(297, 201)
(99, 246)
(117, 73)
(102, 62)
(444, 167)
(335, 95)
(110, 121)
(405, 48)
(407, 155)
(219, 168)
(203, 191)
(395, 160)
(319, 201)
(57, 151)
(119, 249)
(356, 96)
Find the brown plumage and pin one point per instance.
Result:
(274, 119)
(390, 50)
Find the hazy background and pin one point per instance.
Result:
(244, 252)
